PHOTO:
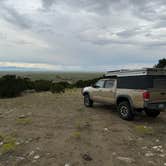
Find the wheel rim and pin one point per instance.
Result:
(86, 100)
(124, 111)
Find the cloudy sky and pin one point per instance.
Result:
(82, 35)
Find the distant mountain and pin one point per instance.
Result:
(18, 69)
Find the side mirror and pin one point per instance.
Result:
(95, 86)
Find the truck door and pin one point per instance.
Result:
(97, 88)
(108, 91)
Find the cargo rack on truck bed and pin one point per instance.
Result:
(136, 72)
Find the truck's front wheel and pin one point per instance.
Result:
(125, 111)
(152, 113)
(87, 101)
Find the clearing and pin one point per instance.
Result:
(43, 129)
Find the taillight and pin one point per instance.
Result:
(146, 96)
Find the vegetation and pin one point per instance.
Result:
(9, 144)
(161, 63)
(144, 130)
(54, 76)
(57, 88)
(42, 85)
(13, 86)
(82, 83)
(76, 135)
(23, 121)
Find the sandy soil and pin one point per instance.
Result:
(45, 129)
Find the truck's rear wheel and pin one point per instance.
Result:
(87, 101)
(125, 111)
(152, 113)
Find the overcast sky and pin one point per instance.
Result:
(82, 35)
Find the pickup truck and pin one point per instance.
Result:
(130, 91)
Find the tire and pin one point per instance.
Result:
(152, 113)
(125, 111)
(87, 101)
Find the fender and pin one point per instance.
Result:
(126, 97)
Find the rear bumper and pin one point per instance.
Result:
(155, 106)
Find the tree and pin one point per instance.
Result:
(161, 63)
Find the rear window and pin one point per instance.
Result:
(142, 82)
(135, 82)
(159, 83)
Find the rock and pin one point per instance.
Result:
(22, 117)
(149, 154)
(158, 148)
(36, 157)
(157, 140)
(114, 153)
(144, 147)
(17, 143)
(67, 164)
(130, 139)
(126, 159)
(161, 150)
(152, 163)
(106, 129)
(1, 143)
(164, 164)
(31, 153)
(27, 142)
(19, 158)
(87, 157)
(162, 155)
(155, 147)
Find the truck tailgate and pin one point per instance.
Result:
(157, 95)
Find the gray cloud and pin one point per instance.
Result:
(48, 3)
(13, 17)
(84, 32)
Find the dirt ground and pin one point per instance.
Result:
(44, 129)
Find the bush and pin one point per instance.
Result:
(42, 85)
(82, 84)
(57, 88)
(29, 84)
(11, 86)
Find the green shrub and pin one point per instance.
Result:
(29, 84)
(11, 86)
(9, 144)
(42, 85)
(57, 88)
(82, 83)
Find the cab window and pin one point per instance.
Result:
(99, 84)
(109, 84)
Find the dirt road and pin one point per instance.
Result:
(45, 129)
